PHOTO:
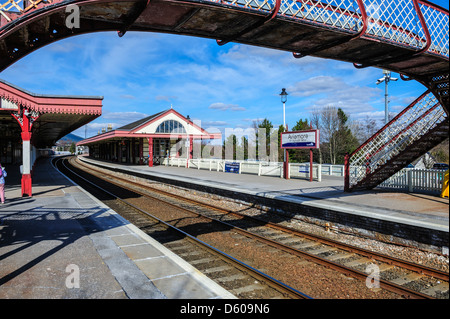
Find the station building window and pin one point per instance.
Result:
(170, 126)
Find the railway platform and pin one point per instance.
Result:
(64, 243)
(404, 218)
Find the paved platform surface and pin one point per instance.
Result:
(63, 243)
(427, 211)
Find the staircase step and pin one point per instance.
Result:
(426, 142)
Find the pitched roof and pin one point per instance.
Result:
(136, 124)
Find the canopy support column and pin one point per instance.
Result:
(26, 119)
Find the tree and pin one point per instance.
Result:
(336, 138)
(345, 141)
(280, 150)
(299, 155)
(229, 147)
(365, 128)
(316, 124)
(441, 152)
(72, 148)
(265, 126)
(330, 124)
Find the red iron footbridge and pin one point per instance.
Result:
(410, 37)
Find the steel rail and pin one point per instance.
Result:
(270, 281)
(406, 292)
(333, 243)
(323, 240)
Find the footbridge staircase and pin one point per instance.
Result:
(414, 131)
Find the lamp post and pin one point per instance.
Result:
(283, 96)
(189, 142)
(386, 79)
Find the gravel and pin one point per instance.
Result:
(310, 278)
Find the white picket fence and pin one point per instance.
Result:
(416, 180)
(408, 179)
(260, 168)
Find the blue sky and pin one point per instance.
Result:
(223, 86)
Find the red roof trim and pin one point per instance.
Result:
(166, 113)
(51, 104)
(125, 134)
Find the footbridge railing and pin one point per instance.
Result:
(401, 133)
(417, 24)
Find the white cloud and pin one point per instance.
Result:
(316, 85)
(121, 118)
(128, 96)
(166, 98)
(213, 123)
(334, 91)
(226, 107)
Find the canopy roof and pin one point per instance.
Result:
(53, 116)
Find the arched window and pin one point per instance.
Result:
(170, 126)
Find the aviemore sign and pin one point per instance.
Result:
(300, 139)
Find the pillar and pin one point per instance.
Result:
(141, 151)
(119, 160)
(286, 164)
(26, 120)
(150, 151)
(26, 164)
(346, 173)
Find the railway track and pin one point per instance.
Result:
(239, 278)
(348, 260)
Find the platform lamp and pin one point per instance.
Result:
(386, 79)
(283, 96)
(188, 141)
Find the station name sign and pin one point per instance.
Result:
(300, 139)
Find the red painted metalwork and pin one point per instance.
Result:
(25, 121)
(271, 16)
(346, 173)
(394, 138)
(150, 151)
(424, 27)
(133, 132)
(433, 5)
(363, 15)
(394, 144)
(51, 104)
(392, 121)
(403, 57)
(28, 108)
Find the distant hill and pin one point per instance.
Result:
(69, 138)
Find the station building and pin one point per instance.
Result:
(150, 140)
(30, 124)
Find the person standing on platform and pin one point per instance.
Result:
(2, 183)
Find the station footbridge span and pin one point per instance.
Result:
(409, 37)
